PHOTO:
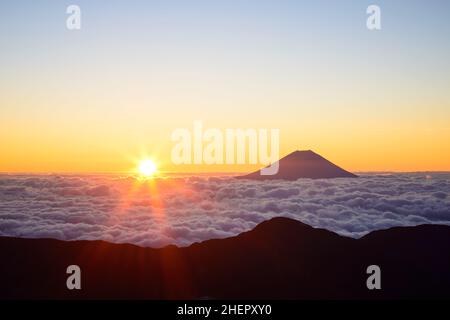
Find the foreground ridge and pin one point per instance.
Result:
(279, 259)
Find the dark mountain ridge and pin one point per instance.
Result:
(278, 259)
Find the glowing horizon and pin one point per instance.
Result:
(97, 99)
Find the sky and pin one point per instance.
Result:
(97, 99)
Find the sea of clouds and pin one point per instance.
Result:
(183, 210)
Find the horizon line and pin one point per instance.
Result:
(192, 173)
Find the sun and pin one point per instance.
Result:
(147, 168)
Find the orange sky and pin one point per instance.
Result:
(99, 99)
(356, 149)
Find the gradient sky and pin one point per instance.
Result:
(99, 98)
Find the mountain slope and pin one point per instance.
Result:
(303, 164)
(279, 259)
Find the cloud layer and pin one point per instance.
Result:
(185, 210)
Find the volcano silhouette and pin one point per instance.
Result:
(303, 164)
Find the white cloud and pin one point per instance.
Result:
(185, 210)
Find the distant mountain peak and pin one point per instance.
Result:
(303, 164)
(305, 154)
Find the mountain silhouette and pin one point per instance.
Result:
(279, 259)
(303, 164)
